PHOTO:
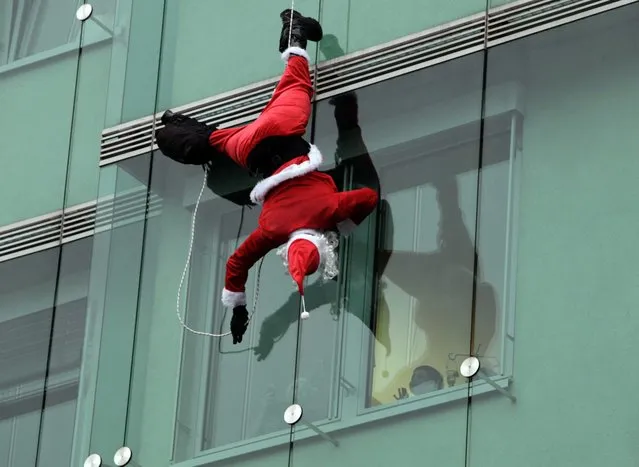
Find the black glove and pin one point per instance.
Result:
(239, 323)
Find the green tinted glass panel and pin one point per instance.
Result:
(48, 91)
(360, 24)
(34, 147)
(387, 365)
(212, 47)
(576, 262)
(92, 91)
(42, 322)
(117, 259)
(29, 31)
(196, 396)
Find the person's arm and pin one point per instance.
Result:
(238, 265)
(256, 246)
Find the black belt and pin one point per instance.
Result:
(273, 152)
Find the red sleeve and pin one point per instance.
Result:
(353, 207)
(238, 265)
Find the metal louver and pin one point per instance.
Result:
(519, 19)
(446, 42)
(74, 223)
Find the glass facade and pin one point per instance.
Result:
(482, 125)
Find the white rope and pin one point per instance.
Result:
(186, 267)
(190, 253)
(290, 25)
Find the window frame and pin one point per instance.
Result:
(93, 36)
(504, 334)
(72, 290)
(355, 413)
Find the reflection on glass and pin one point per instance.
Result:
(218, 31)
(428, 273)
(28, 29)
(263, 384)
(414, 136)
(120, 219)
(39, 43)
(42, 320)
(430, 276)
(576, 271)
(224, 395)
(421, 286)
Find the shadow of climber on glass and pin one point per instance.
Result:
(441, 281)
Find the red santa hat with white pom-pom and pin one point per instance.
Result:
(306, 252)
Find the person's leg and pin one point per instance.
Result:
(286, 114)
(289, 109)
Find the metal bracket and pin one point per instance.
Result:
(94, 460)
(293, 414)
(123, 457)
(349, 388)
(85, 12)
(471, 367)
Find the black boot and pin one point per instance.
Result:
(303, 29)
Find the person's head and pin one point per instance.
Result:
(307, 252)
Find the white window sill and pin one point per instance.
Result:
(374, 414)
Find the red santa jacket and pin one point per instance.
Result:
(297, 197)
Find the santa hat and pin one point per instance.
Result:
(306, 252)
(303, 260)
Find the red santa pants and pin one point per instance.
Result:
(286, 114)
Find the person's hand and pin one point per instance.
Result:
(239, 323)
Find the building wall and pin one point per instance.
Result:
(43, 314)
(146, 384)
(203, 38)
(576, 277)
(116, 81)
(573, 184)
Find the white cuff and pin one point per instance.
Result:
(295, 51)
(233, 299)
(346, 227)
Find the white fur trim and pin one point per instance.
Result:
(326, 243)
(346, 227)
(295, 51)
(233, 299)
(312, 236)
(296, 170)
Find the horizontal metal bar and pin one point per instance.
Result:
(362, 68)
(560, 22)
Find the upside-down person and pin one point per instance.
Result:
(301, 206)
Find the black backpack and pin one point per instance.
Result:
(185, 140)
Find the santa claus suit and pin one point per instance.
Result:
(299, 202)
(302, 207)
